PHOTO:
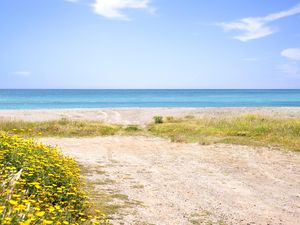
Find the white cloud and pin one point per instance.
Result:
(292, 67)
(257, 27)
(291, 53)
(23, 73)
(112, 9)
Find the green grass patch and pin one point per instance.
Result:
(246, 130)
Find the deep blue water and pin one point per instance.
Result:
(43, 99)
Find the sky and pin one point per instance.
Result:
(149, 44)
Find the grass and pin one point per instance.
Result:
(104, 182)
(138, 186)
(246, 130)
(205, 217)
(66, 128)
(107, 201)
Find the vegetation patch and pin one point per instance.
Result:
(204, 217)
(138, 186)
(39, 185)
(246, 130)
(66, 128)
(158, 119)
(108, 201)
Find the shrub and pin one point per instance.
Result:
(132, 128)
(41, 186)
(158, 119)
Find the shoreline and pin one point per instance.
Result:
(142, 116)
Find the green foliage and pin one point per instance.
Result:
(158, 119)
(132, 128)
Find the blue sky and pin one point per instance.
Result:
(149, 44)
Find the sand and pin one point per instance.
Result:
(184, 184)
(140, 116)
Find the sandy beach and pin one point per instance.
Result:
(141, 116)
(167, 183)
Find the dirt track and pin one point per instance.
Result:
(182, 184)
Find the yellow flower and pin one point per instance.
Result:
(40, 214)
(12, 202)
(51, 209)
(2, 209)
(8, 219)
(27, 222)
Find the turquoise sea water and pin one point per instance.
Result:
(49, 99)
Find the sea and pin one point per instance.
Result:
(136, 98)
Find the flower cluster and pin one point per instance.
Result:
(39, 185)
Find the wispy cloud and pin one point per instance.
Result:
(291, 53)
(23, 73)
(112, 9)
(257, 27)
(292, 67)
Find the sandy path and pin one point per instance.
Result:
(182, 184)
(140, 116)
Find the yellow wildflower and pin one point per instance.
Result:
(40, 214)
(12, 202)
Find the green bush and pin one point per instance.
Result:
(39, 185)
(158, 119)
(131, 128)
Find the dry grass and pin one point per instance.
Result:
(246, 130)
(66, 128)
